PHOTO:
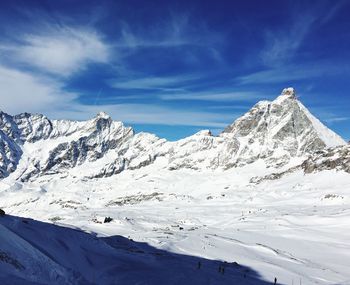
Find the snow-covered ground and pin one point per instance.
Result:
(296, 228)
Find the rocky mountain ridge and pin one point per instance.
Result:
(276, 132)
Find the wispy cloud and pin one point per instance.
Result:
(336, 119)
(192, 42)
(332, 11)
(280, 54)
(278, 75)
(180, 88)
(176, 31)
(59, 50)
(167, 36)
(215, 96)
(148, 114)
(282, 45)
(162, 83)
(40, 94)
(293, 72)
(330, 114)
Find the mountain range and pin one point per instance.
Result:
(279, 132)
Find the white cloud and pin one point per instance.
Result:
(23, 92)
(60, 50)
(35, 66)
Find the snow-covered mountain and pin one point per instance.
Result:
(268, 197)
(276, 132)
(281, 129)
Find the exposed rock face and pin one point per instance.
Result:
(335, 158)
(202, 150)
(10, 145)
(33, 146)
(33, 127)
(72, 144)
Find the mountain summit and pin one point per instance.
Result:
(33, 146)
(290, 91)
(283, 127)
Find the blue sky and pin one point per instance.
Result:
(174, 67)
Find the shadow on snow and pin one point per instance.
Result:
(44, 253)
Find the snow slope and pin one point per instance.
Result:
(293, 228)
(38, 253)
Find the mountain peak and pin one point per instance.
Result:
(282, 128)
(102, 115)
(289, 91)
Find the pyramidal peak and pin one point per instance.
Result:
(283, 124)
(290, 91)
(287, 94)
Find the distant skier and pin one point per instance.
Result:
(275, 281)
